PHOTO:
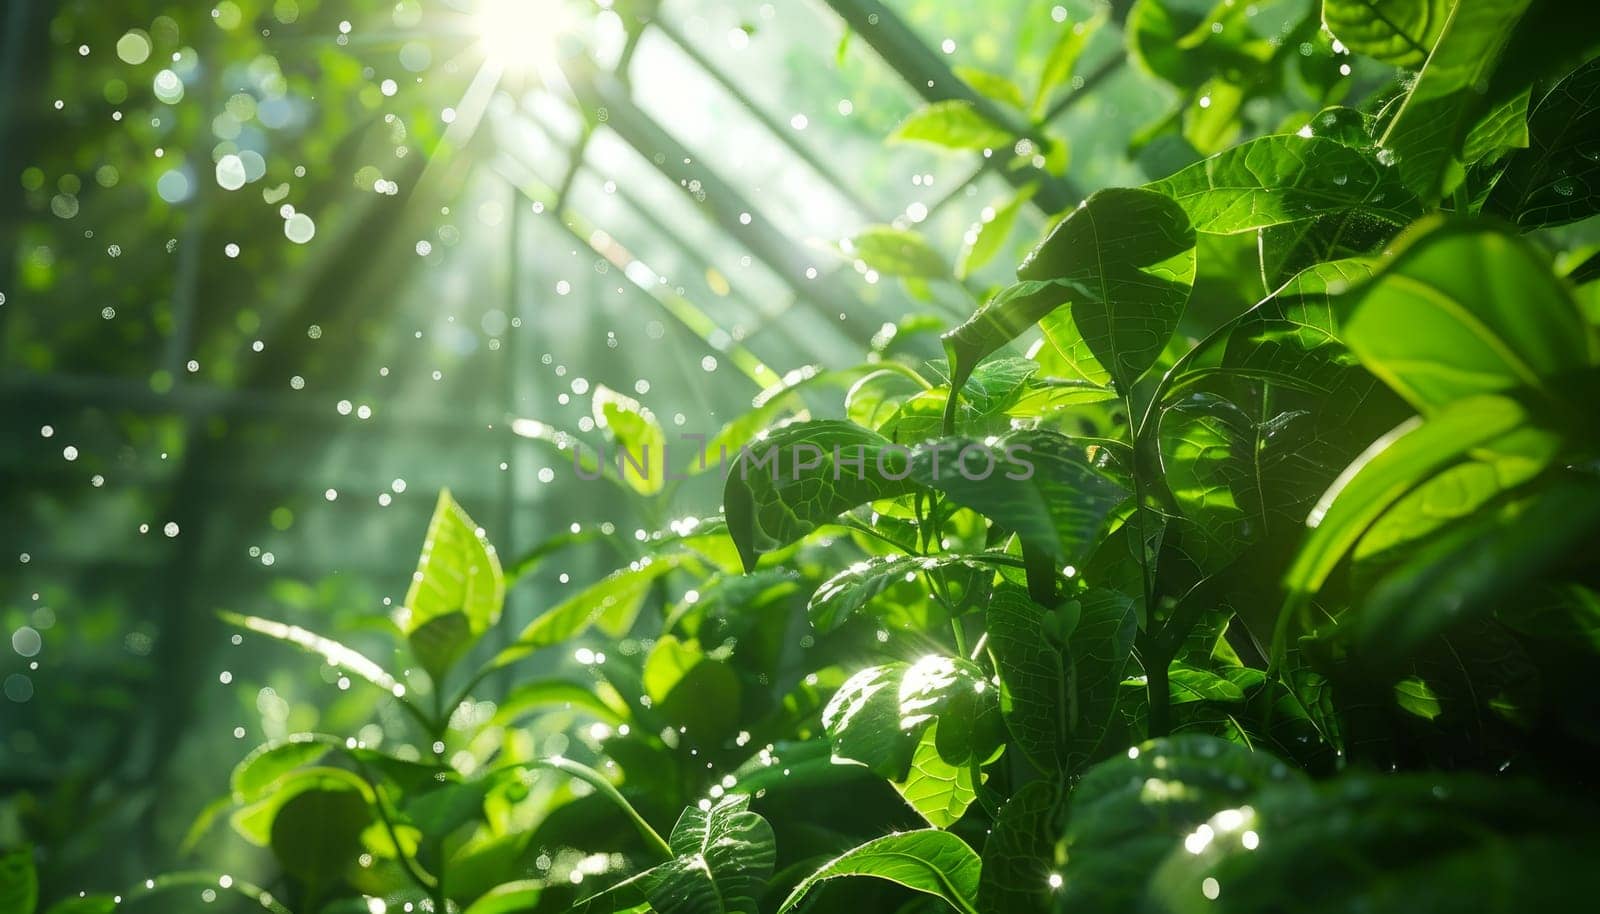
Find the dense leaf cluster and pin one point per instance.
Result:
(1297, 608)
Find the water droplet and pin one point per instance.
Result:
(299, 228)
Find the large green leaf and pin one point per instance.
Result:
(1019, 856)
(1393, 466)
(878, 716)
(1556, 180)
(508, 898)
(1041, 486)
(931, 861)
(722, 856)
(1125, 261)
(1420, 842)
(1461, 309)
(611, 604)
(1428, 136)
(1478, 566)
(1279, 179)
(952, 124)
(1129, 813)
(316, 834)
(804, 475)
(1398, 32)
(456, 592)
(1059, 687)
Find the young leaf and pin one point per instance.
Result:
(987, 238)
(1278, 179)
(896, 252)
(804, 475)
(1429, 133)
(332, 652)
(1397, 32)
(637, 434)
(953, 124)
(1556, 180)
(733, 848)
(611, 604)
(931, 861)
(1124, 259)
(1063, 60)
(456, 592)
(844, 594)
(1059, 689)
(1462, 309)
(990, 85)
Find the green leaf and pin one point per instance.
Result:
(1041, 486)
(562, 694)
(931, 861)
(939, 791)
(844, 594)
(1422, 842)
(456, 592)
(690, 691)
(1059, 689)
(611, 604)
(1488, 562)
(992, 86)
(987, 238)
(1397, 32)
(896, 252)
(269, 763)
(952, 124)
(1415, 696)
(1461, 309)
(1188, 42)
(1124, 259)
(1063, 59)
(1187, 683)
(1130, 812)
(771, 404)
(1394, 465)
(878, 716)
(19, 881)
(637, 434)
(1428, 135)
(1556, 180)
(729, 847)
(803, 476)
(332, 652)
(1019, 855)
(509, 898)
(1279, 179)
(316, 834)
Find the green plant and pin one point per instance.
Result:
(1295, 607)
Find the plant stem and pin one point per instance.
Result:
(596, 780)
